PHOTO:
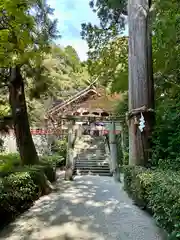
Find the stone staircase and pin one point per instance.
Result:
(91, 157)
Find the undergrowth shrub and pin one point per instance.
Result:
(157, 191)
(55, 160)
(166, 134)
(8, 162)
(11, 163)
(123, 138)
(59, 147)
(17, 193)
(21, 185)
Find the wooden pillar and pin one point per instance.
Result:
(113, 151)
(141, 89)
(123, 147)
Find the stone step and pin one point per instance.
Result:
(93, 169)
(86, 161)
(96, 170)
(94, 173)
(92, 164)
(90, 152)
(87, 155)
(90, 158)
(87, 146)
(84, 155)
(90, 145)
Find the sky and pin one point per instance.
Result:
(71, 14)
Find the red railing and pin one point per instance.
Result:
(40, 131)
(50, 131)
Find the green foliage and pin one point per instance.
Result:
(59, 147)
(167, 133)
(123, 140)
(134, 186)
(60, 71)
(24, 32)
(55, 160)
(21, 185)
(8, 163)
(60, 75)
(122, 108)
(20, 188)
(73, 58)
(17, 193)
(166, 49)
(111, 65)
(40, 174)
(112, 22)
(166, 45)
(48, 70)
(10, 157)
(157, 191)
(59, 152)
(4, 106)
(107, 49)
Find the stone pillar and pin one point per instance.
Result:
(113, 151)
(70, 145)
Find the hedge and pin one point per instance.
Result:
(17, 193)
(157, 191)
(20, 185)
(55, 159)
(59, 147)
(8, 163)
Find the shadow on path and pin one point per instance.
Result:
(91, 208)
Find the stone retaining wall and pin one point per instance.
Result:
(42, 143)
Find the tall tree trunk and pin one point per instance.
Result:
(17, 102)
(141, 87)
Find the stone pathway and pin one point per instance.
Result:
(89, 208)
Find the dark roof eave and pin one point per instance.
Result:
(65, 103)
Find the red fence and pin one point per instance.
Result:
(103, 132)
(39, 131)
(51, 131)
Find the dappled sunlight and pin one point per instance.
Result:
(106, 190)
(59, 208)
(94, 203)
(91, 158)
(90, 207)
(68, 231)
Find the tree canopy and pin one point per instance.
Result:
(111, 14)
(111, 65)
(105, 40)
(34, 70)
(108, 50)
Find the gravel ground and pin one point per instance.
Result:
(89, 208)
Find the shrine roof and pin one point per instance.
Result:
(57, 102)
(90, 90)
(88, 98)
